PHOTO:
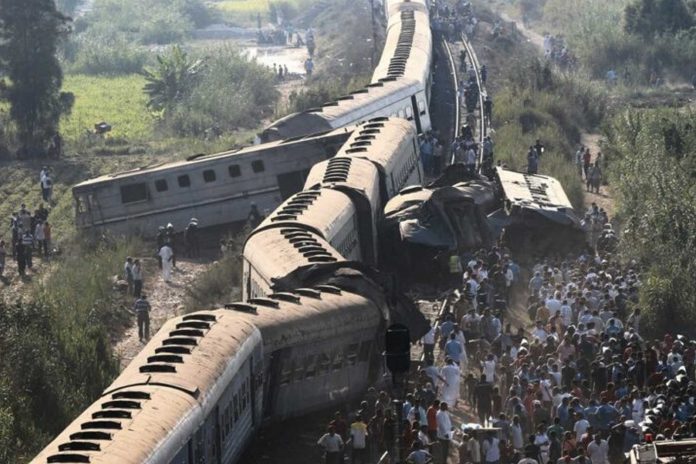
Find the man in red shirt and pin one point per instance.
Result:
(431, 415)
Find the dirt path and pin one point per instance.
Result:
(167, 301)
(604, 199)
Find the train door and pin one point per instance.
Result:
(416, 114)
(275, 373)
(291, 182)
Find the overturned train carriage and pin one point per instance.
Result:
(215, 189)
(536, 217)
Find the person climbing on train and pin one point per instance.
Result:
(142, 308)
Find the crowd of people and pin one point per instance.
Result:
(591, 171)
(30, 232)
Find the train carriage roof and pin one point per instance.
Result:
(379, 141)
(319, 210)
(155, 395)
(536, 193)
(302, 316)
(275, 253)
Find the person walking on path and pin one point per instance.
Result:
(332, 444)
(137, 273)
(167, 255)
(128, 274)
(142, 311)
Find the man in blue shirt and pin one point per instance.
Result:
(453, 349)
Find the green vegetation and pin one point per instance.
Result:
(31, 74)
(248, 12)
(218, 93)
(56, 347)
(634, 37)
(652, 170)
(537, 103)
(118, 100)
(217, 285)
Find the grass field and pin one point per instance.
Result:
(118, 100)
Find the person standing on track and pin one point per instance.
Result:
(142, 307)
(167, 255)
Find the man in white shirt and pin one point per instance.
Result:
(428, 342)
(554, 304)
(444, 430)
(598, 450)
(581, 425)
(491, 449)
(566, 313)
(539, 332)
(167, 255)
(332, 443)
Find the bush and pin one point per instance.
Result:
(217, 285)
(230, 93)
(652, 172)
(98, 58)
(56, 347)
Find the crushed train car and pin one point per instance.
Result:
(536, 217)
(423, 226)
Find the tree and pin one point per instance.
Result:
(30, 31)
(171, 80)
(647, 18)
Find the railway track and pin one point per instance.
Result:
(444, 102)
(481, 125)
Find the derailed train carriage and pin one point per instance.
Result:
(536, 217)
(207, 381)
(216, 189)
(400, 84)
(340, 208)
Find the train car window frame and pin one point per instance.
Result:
(161, 185)
(234, 170)
(364, 354)
(352, 354)
(184, 181)
(209, 176)
(337, 362)
(134, 193)
(421, 106)
(258, 166)
(310, 366)
(323, 364)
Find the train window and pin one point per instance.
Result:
(421, 106)
(286, 374)
(209, 175)
(338, 360)
(184, 181)
(352, 354)
(258, 166)
(409, 113)
(299, 373)
(234, 170)
(400, 113)
(235, 402)
(134, 193)
(324, 363)
(310, 366)
(364, 351)
(161, 185)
